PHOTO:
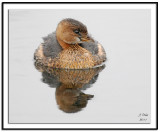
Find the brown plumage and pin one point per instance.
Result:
(70, 47)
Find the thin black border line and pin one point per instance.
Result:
(156, 3)
(8, 66)
(79, 2)
(2, 7)
(157, 62)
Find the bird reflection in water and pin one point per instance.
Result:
(69, 85)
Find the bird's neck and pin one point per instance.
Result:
(62, 43)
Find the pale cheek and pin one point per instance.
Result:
(74, 40)
(70, 39)
(77, 39)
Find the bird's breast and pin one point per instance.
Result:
(76, 57)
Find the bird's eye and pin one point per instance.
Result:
(76, 31)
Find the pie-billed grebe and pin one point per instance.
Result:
(70, 47)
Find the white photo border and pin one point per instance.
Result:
(80, 5)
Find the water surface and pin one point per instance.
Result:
(115, 93)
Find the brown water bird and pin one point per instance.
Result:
(70, 47)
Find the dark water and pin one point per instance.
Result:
(115, 93)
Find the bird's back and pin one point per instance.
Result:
(51, 47)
